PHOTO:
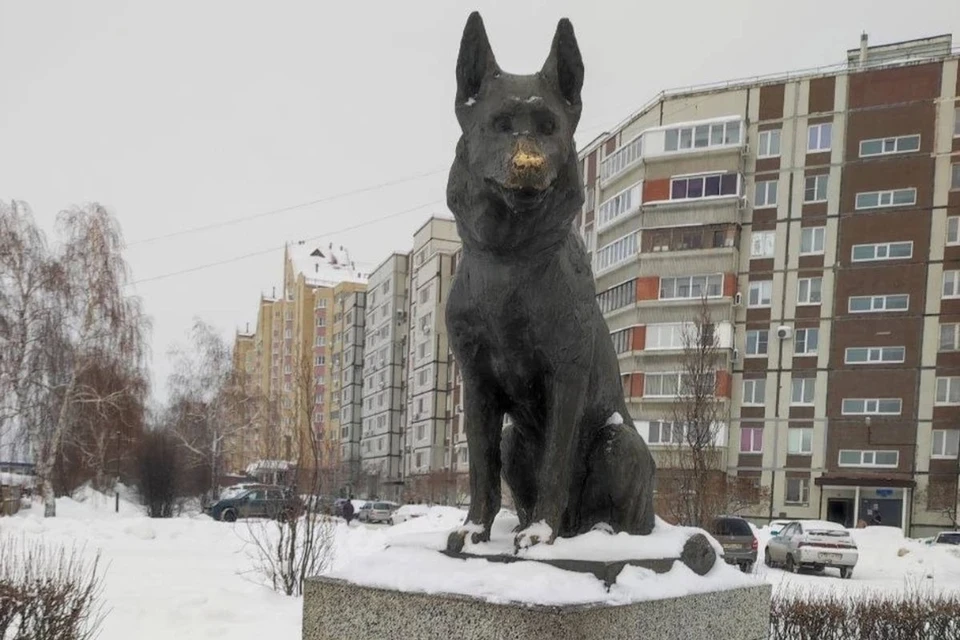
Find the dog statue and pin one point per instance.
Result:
(522, 313)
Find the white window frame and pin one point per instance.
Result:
(768, 143)
(760, 286)
(704, 177)
(883, 302)
(803, 491)
(621, 204)
(804, 384)
(625, 156)
(805, 341)
(885, 199)
(893, 145)
(687, 143)
(750, 392)
(866, 455)
(953, 329)
(870, 407)
(673, 331)
(953, 231)
(881, 251)
(674, 434)
(753, 440)
(765, 194)
(815, 235)
(716, 278)
(876, 355)
(816, 181)
(805, 294)
(818, 135)
(947, 386)
(945, 444)
(953, 278)
(760, 339)
(660, 374)
(763, 244)
(620, 251)
(800, 441)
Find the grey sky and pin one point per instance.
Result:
(181, 114)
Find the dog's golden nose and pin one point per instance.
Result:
(524, 160)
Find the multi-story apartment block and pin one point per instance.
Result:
(347, 371)
(427, 438)
(385, 376)
(818, 214)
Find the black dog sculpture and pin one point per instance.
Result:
(522, 313)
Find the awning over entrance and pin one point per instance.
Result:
(872, 480)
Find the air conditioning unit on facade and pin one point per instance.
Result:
(735, 355)
(737, 299)
(784, 332)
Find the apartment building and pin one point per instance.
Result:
(818, 214)
(347, 372)
(427, 438)
(385, 376)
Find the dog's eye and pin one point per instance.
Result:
(546, 127)
(502, 124)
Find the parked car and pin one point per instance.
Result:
(408, 512)
(776, 526)
(736, 537)
(260, 502)
(363, 513)
(946, 537)
(815, 544)
(237, 489)
(380, 512)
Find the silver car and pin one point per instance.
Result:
(814, 544)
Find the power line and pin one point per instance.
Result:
(261, 252)
(272, 212)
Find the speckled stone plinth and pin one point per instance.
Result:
(339, 610)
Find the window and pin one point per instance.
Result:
(617, 252)
(762, 244)
(956, 122)
(818, 137)
(948, 390)
(754, 391)
(424, 294)
(768, 144)
(802, 391)
(811, 240)
(321, 341)
(667, 336)
(321, 303)
(891, 198)
(661, 385)
(622, 158)
(949, 337)
(886, 146)
(815, 188)
(875, 304)
(321, 360)
(808, 290)
(951, 284)
(624, 202)
(953, 228)
(945, 443)
(702, 136)
(797, 491)
(874, 355)
(621, 340)
(759, 294)
(805, 342)
(882, 251)
(617, 297)
(751, 440)
(757, 342)
(321, 321)
(856, 458)
(765, 194)
(705, 186)
(691, 287)
(800, 442)
(955, 176)
(662, 432)
(871, 406)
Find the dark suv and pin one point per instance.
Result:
(259, 502)
(736, 537)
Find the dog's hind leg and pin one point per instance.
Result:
(520, 472)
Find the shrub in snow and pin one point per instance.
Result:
(288, 551)
(157, 465)
(47, 592)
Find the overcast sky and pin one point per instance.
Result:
(179, 114)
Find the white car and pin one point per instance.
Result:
(777, 525)
(814, 544)
(408, 512)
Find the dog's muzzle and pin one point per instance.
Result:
(528, 167)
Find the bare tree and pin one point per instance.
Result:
(210, 402)
(69, 312)
(692, 486)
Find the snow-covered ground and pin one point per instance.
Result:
(888, 563)
(191, 578)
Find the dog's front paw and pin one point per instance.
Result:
(534, 534)
(458, 537)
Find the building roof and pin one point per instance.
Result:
(325, 265)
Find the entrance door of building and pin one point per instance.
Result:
(840, 510)
(881, 511)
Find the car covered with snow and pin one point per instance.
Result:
(951, 538)
(408, 512)
(814, 544)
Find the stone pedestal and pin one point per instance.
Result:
(338, 610)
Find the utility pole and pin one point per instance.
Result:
(117, 506)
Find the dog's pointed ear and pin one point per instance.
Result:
(564, 66)
(476, 59)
